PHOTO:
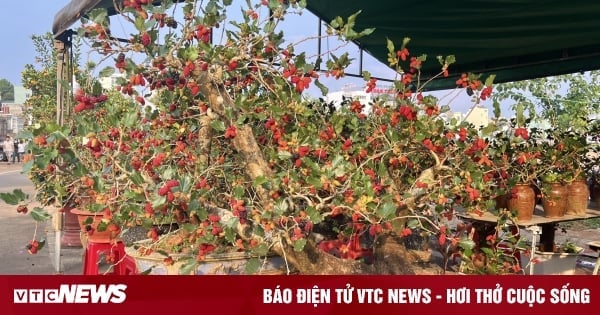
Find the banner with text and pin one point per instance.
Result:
(296, 294)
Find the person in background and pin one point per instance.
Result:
(21, 150)
(8, 148)
(15, 155)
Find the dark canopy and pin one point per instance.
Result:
(514, 39)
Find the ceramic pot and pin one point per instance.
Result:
(88, 223)
(71, 236)
(578, 198)
(522, 201)
(554, 200)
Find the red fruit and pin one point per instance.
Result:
(403, 53)
(79, 107)
(213, 218)
(522, 132)
(231, 132)
(169, 261)
(22, 209)
(216, 230)
(172, 183)
(232, 65)
(145, 39)
(140, 100)
(31, 249)
(153, 234)
(170, 196)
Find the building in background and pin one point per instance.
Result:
(477, 115)
(110, 82)
(12, 115)
(21, 94)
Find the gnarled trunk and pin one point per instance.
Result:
(389, 257)
(389, 254)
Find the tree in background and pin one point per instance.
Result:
(565, 101)
(7, 91)
(40, 78)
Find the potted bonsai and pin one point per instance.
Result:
(220, 138)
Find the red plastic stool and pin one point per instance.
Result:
(129, 266)
(93, 252)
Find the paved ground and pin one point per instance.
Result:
(17, 230)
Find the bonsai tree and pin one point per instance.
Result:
(221, 138)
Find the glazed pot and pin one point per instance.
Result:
(554, 200)
(578, 198)
(522, 201)
(89, 224)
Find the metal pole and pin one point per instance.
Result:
(535, 230)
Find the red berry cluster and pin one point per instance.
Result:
(120, 62)
(136, 4)
(87, 102)
(33, 247)
(165, 190)
(238, 209)
(153, 234)
(204, 250)
(22, 209)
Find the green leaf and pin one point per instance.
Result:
(130, 119)
(146, 272)
(107, 72)
(188, 268)
(261, 249)
(387, 211)
(281, 207)
(366, 75)
(230, 234)
(314, 215)
(159, 201)
(390, 46)
(466, 244)
(299, 244)
(217, 125)
(39, 214)
(88, 221)
(14, 198)
(185, 183)
(260, 180)
(98, 15)
(189, 227)
(253, 265)
(489, 81)
(193, 205)
(102, 226)
(324, 89)
(41, 244)
(413, 223)
(136, 178)
(487, 251)
(284, 155)
(315, 181)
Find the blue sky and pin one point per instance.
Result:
(20, 20)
